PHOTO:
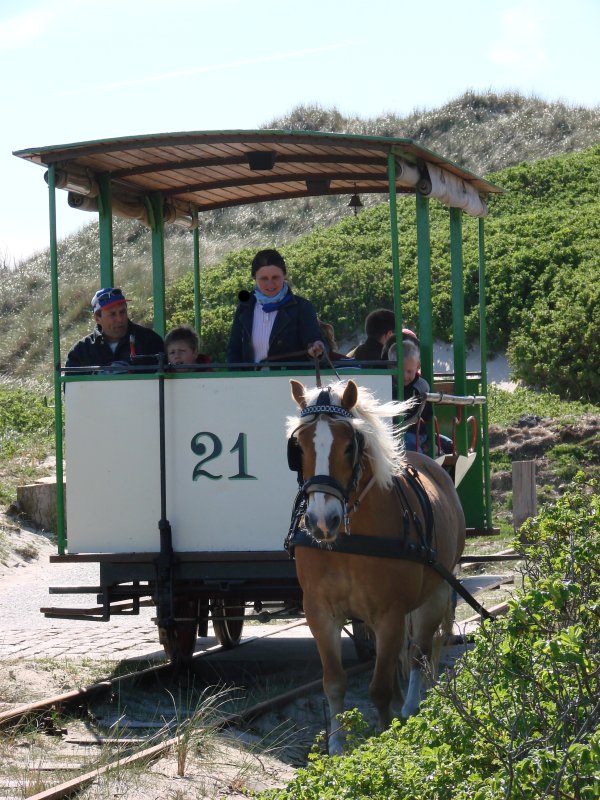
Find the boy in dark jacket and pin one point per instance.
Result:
(380, 325)
(416, 386)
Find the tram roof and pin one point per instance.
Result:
(206, 170)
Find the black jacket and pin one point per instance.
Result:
(369, 350)
(93, 350)
(294, 330)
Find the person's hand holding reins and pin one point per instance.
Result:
(316, 349)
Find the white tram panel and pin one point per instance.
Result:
(228, 486)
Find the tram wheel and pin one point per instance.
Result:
(179, 640)
(228, 621)
(364, 643)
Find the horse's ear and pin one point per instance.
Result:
(350, 396)
(298, 393)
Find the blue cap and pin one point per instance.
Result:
(107, 297)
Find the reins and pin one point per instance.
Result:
(316, 361)
(317, 364)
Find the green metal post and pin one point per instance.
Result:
(425, 308)
(197, 314)
(105, 230)
(58, 413)
(396, 268)
(158, 261)
(458, 321)
(484, 384)
(424, 273)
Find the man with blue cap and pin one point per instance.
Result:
(115, 338)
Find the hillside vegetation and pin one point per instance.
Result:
(542, 252)
(482, 132)
(541, 244)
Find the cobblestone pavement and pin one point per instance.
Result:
(137, 637)
(26, 633)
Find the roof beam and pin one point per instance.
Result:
(317, 178)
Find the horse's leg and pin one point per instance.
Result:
(424, 623)
(327, 633)
(389, 640)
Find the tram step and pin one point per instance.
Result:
(75, 613)
(127, 591)
(95, 613)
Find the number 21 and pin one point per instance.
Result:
(201, 449)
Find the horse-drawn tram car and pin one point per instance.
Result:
(177, 481)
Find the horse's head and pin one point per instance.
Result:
(327, 448)
(343, 433)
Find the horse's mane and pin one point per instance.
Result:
(384, 445)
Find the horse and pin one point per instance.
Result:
(375, 526)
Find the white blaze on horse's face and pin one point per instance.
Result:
(324, 513)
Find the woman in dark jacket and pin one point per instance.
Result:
(273, 322)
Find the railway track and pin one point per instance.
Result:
(80, 697)
(122, 749)
(148, 753)
(135, 750)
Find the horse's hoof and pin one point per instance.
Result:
(335, 745)
(409, 711)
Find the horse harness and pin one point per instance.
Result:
(422, 552)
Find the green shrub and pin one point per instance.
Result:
(24, 411)
(26, 436)
(567, 459)
(543, 255)
(500, 461)
(506, 408)
(519, 716)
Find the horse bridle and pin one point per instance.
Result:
(326, 483)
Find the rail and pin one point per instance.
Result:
(441, 398)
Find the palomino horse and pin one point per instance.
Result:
(375, 520)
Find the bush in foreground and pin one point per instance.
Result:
(519, 717)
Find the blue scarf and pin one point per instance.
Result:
(282, 298)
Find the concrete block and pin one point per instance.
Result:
(38, 502)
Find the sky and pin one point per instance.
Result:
(78, 70)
